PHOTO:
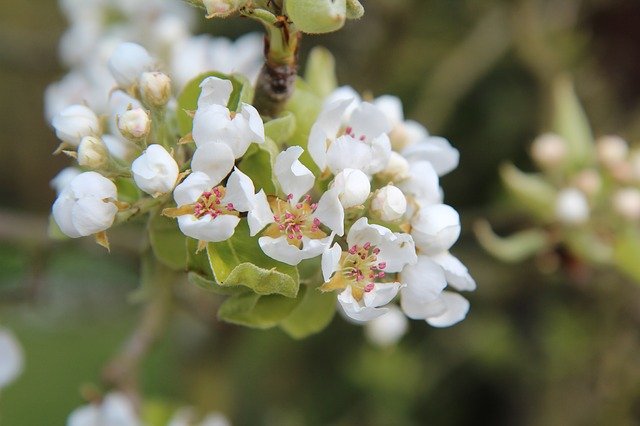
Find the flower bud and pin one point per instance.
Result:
(354, 187)
(626, 203)
(127, 62)
(355, 10)
(62, 179)
(397, 168)
(612, 150)
(549, 150)
(389, 203)
(588, 181)
(435, 228)
(222, 8)
(134, 124)
(155, 89)
(75, 122)
(155, 171)
(387, 329)
(92, 153)
(572, 207)
(317, 16)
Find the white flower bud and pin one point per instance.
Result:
(588, 181)
(134, 124)
(397, 168)
(549, 150)
(626, 203)
(387, 329)
(155, 171)
(354, 187)
(222, 8)
(62, 179)
(11, 358)
(127, 62)
(572, 207)
(435, 228)
(155, 88)
(317, 16)
(75, 122)
(93, 153)
(389, 203)
(612, 150)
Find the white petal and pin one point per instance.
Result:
(213, 124)
(325, 129)
(215, 159)
(426, 279)
(92, 215)
(128, 61)
(254, 122)
(435, 228)
(207, 229)
(117, 410)
(92, 184)
(240, 191)
(344, 93)
(456, 273)
(422, 183)
(215, 91)
(415, 309)
(260, 215)
(355, 310)
(353, 186)
(380, 153)
(330, 261)
(280, 250)
(192, 188)
(456, 310)
(11, 358)
(330, 211)
(381, 294)
(391, 107)
(369, 121)
(63, 214)
(387, 329)
(348, 153)
(293, 176)
(155, 171)
(436, 150)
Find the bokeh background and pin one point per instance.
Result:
(538, 348)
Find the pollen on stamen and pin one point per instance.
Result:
(289, 197)
(369, 287)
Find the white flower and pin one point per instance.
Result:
(212, 210)
(456, 274)
(422, 184)
(455, 310)
(572, 206)
(361, 143)
(187, 416)
(75, 122)
(373, 251)
(425, 281)
(134, 124)
(437, 151)
(92, 153)
(155, 171)
(114, 410)
(294, 231)
(11, 358)
(403, 132)
(397, 169)
(389, 203)
(63, 178)
(353, 187)
(128, 62)
(213, 122)
(155, 88)
(435, 228)
(84, 207)
(549, 150)
(388, 329)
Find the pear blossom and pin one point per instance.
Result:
(128, 62)
(213, 122)
(92, 153)
(155, 88)
(358, 142)
(134, 124)
(455, 310)
(612, 150)
(436, 150)
(549, 150)
(389, 203)
(294, 224)
(11, 358)
(387, 330)
(155, 171)
(572, 206)
(373, 251)
(435, 228)
(114, 409)
(75, 122)
(353, 187)
(85, 206)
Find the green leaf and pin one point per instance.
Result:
(570, 122)
(513, 248)
(198, 262)
(208, 284)
(305, 105)
(188, 99)
(253, 310)
(281, 129)
(258, 162)
(127, 190)
(239, 261)
(589, 246)
(311, 315)
(626, 253)
(320, 72)
(531, 191)
(167, 242)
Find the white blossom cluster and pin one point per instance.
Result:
(163, 27)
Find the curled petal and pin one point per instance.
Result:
(456, 273)
(330, 211)
(215, 159)
(192, 188)
(207, 228)
(260, 215)
(215, 91)
(293, 176)
(331, 261)
(456, 309)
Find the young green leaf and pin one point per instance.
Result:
(314, 312)
(167, 242)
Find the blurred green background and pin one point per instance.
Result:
(554, 348)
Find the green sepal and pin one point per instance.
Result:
(514, 248)
(188, 99)
(128, 192)
(320, 72)
(281, 129)
(530, 191)
(253, 310)
(239, 261)
(312, 315)
(167, 241)
(257, 163)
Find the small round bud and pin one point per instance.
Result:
(435, 228)
(127, 62)
(549, 150)
(612, 150)
(222, 8)
(626, 203)
(317, 16)
(389, 203)
(354, 187)
(75, 122)
(155, 89)
(588, 181)
(93, 153)
(155, 171)
(572, 207)
(397, 168)
(134, 124)
(387, 329)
